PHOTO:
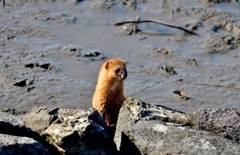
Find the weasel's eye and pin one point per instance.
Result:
(117, 70)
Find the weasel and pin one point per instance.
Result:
(109, 97)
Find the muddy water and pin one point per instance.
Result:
(206, 67)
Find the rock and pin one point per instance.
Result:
(13, 125)
(143, 128)
(11, 128)
(192, 62)
(154, 137)
(12, 145)
(224, 122)
(12, 111)
(72, 131)
(169, 69)
(183, 93)
(39, 119)
(12, 120)
(133, 111)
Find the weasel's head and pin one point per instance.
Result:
(116, 68)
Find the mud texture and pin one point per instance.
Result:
(51, 52)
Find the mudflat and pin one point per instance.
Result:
(51, 52)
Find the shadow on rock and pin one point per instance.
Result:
(128, 147)
(21, 139)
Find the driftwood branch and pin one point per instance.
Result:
(156, 22)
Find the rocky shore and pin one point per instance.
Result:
(51, 52)
(142, 128)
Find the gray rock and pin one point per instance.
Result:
(155, 137)
(12, 111)
(147, 129)
(224, 122)
(11, 128)
(133, 111)
(39, 119)
(15, 145)
(11, 119)
(13, 125)
(72, 131)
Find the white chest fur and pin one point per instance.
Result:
(114, 86)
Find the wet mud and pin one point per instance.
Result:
(51, 52)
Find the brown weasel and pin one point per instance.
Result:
(108, 97)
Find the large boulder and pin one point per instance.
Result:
(134, 111)
(224, 122)
(143, 128)
(72, 131)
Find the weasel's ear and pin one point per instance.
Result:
(107, 65)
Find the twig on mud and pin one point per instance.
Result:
(156, 22)
(3, 3)
(215, 14)
(135, 25)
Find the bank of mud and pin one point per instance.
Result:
(55, 48)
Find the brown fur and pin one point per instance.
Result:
(108, 97)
